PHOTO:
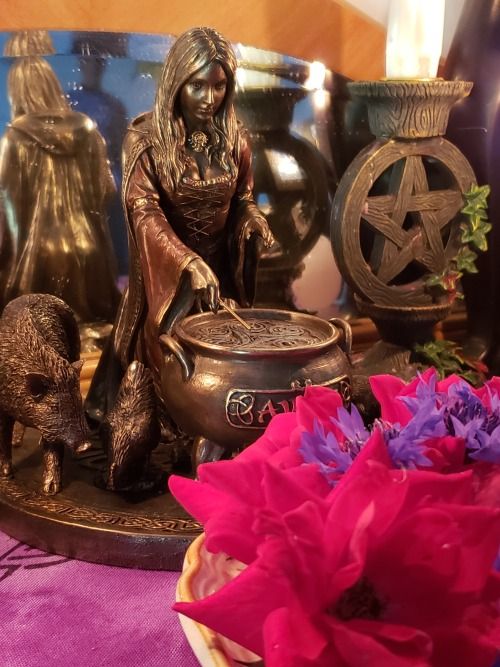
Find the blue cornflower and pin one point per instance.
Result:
(425, 393)
(488, 447)
(463, 403)
(323, 448)
(406, 446)
(468, 418)
(471, 431)
(352, 427)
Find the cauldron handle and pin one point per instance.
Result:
(170, 345)
(345, 327)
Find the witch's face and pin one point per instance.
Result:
(202, 94)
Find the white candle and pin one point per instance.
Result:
(414, 38)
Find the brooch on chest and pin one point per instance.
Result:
(198, 141)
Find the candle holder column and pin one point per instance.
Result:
(395, 214)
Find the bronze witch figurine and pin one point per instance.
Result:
(194, 229)
(195, 235)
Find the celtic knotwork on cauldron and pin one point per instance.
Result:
(394, 219)
(264, 334)
(240, 408)
(254, 408)
(345, 390)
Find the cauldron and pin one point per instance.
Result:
(224, 383)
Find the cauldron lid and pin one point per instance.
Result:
(272, 332)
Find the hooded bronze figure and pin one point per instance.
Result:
(55, 180)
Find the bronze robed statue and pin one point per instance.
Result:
(55, 182)
(194, 229)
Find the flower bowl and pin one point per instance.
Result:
(203, 573)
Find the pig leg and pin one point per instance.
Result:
(52, 466)
(6, 426)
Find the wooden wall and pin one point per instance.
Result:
(325, 30)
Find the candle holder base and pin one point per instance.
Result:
(405, 326)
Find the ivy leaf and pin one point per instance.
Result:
(472, 377)
(466, 260)
(446, 281)
(478, 195)
(435, 280)
(445, 356)
(479, 239)
(477, 235)
(473, 231)
(471, 209)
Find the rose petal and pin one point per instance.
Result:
(386, 388)
(292, 640)
(381, 644)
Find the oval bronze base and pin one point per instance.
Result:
(147, 530)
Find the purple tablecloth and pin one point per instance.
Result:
(59, 612)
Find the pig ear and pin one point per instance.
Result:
(77, 365)
(37, 384)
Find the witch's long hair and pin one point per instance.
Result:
(192, 51)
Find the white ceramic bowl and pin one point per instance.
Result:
(204, 573)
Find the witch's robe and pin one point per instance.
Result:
(168, 228)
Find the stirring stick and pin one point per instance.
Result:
(235, 315)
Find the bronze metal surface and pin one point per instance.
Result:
(223, 383)
(39, 382)
(271, 331)
(56, 186)
(131, 431)
(90, 523)
(405, 326)
(233, 314)
(263, 335)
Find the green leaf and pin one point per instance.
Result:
(434, 280)
(466, 260)
(486, 227)
(446, 357)
(480, 241)
(478, 195)
(476, 234)
(470, 209)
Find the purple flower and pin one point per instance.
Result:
(407, 445)
(425, 393)
(437, 409)
(468, 418)
(352, 426)
(334, 457)
(488, 447)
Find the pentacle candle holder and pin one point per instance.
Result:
(395, 215)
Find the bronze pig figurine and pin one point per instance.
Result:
(40, 381)
(131, 430)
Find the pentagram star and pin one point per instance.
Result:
(395, 247)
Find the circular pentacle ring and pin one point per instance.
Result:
(389, 227)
